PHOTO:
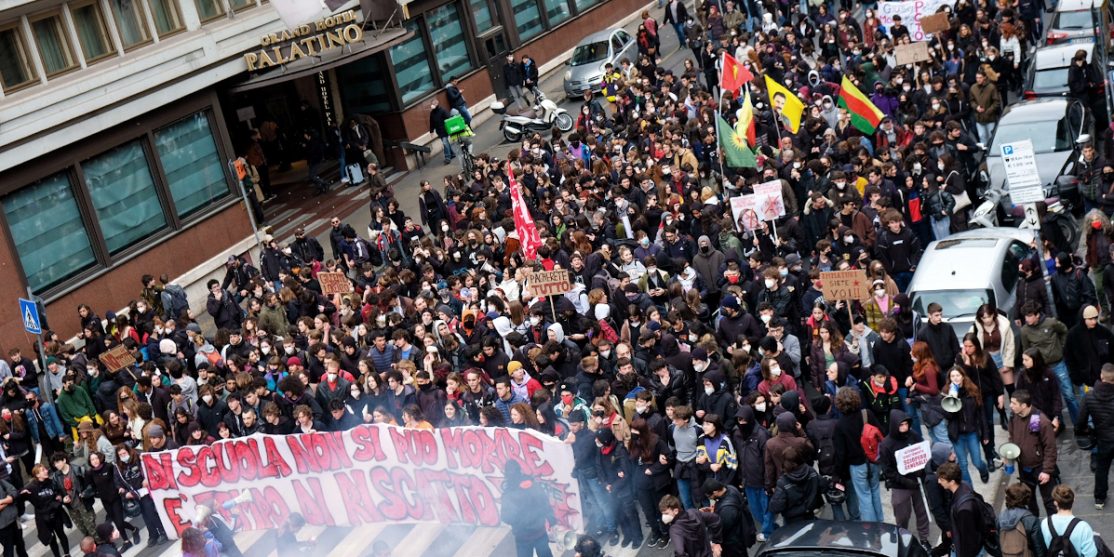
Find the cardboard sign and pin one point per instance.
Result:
(912, 53)
(913, 458)
(333, 283)
(548, 283)
(117, 358)
(935, 23)
(845, 285)
(370, 474)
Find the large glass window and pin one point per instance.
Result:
(124, 197)
(528, 18)
(191, 163)
(557, 11)
(54, 49)
(582, 5)
(411, 62)
(167, 18)
(238, 5)
(481, 13)
(209, 9)
(48, 232)
(447, 35)
(367, 89)
(92, 31)
(131, 22)
(15, 64)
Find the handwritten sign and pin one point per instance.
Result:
(935, 23)
(913, 458)
(845, 285)
(117, 358)
(912, 53)
(911, 12)
(333, 283)
(548, 283)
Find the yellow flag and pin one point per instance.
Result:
(791, 107)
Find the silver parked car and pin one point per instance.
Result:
(591, 55)
(969, 269)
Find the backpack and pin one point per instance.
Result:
(1072, 293)
(870, 439)
(989, 523)
(174, 300)
(1061, 545)
(825, 453)
(1015, 542)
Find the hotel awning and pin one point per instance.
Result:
(373, 41)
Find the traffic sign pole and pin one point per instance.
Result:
(1023, 179)
(44, 385)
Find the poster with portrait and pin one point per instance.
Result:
(768, 201)
(743, 210)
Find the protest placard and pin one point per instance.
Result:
(548, 283)
(116, 358)
(912, 53)
(845, 285)
(333, 283)
(913, 458)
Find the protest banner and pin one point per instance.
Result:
(333, 283)
(745, 213)
(911, 12)
(373, 473)
(913, 458)
(912, 53)
(935, 23)
(845, 285)
(548, 283)
(768, 201)
(116, 358)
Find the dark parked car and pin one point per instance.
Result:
(841, 539)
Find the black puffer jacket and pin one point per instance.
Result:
(739, 531)
(1098, 406)
(797, 495)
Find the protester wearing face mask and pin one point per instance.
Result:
(773, 375)
(691, 531)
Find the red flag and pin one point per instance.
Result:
(523, 223)
(733, 75)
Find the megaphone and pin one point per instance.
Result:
(567, 541)
(1009, 451)
(952, 404)
(244, 497)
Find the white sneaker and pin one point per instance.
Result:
(761, 537)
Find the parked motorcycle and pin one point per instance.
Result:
(544, 115)
(995, 210)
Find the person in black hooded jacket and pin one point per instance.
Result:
(798, 491)
(526, 509)
(692, 533)
(735, 519)
(1098, 406)
(715, 398)
(750, 446)
(904, 488)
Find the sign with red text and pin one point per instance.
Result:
(334, 283)
(370, 474)
(911, 12)
(844, 285)
(768, 200)
(117, 358)
(913, 458)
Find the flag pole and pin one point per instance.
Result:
(719, 143)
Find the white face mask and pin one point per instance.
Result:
(700, 366)
(849, 239)
(126, 458)
(770, 283)
(207, 398)
(761, 407)
(605, 353)
(289, 349)
(766, 318)
(708, 390)
(666, 518)
(331, 376)
(535, 321)
(640, 408)
(355, 393)
(775, 371)
(880, 292)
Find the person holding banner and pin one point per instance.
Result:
(905, 489)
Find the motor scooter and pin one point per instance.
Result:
(544, 115)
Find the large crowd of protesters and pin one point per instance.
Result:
(708, 390)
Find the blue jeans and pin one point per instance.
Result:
(969, 446)
(759, 504)
(463, 110)
(941, 227)
(603, 502)
(910, 410)
(680, 29)
(864, 478)
(447, 147)
(690, 499)
(902, 279)
(1067, 390)
(939, 433)
(985, 130)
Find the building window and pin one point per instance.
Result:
(92, 31)
(447, 35)
(481, 13)
(131, 22)
(54, 49)
(238, 5)
(582, 5)
(366, 89)
(15, 65)
(124, 197)
(167, 18)
(192, 164)
(48, 232)
(411, 62)
(557, 11)
(209, 9)
(527, 18)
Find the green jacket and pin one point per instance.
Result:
(1048, 336)
(72, 406)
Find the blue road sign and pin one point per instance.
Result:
(30, 314)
